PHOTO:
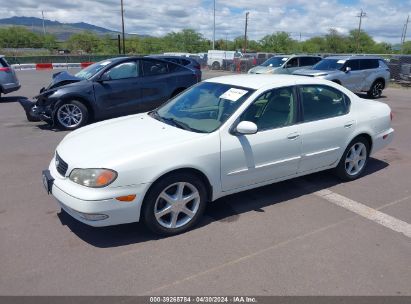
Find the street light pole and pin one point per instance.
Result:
(214, 27)
(122, 27)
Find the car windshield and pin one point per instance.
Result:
(91, 70)
(275, 61)
(329, 64)
(203, 108)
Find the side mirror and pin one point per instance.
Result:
(347, 69)
(104, 77)
(246, 127)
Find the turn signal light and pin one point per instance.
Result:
(126, 198)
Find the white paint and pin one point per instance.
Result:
(367, 212)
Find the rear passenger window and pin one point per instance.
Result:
(307, 61)
(151, 68)
(366, 64)
(354, 64)
(321, 102)
(292, 63)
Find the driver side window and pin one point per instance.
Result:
(273, 109)
(123, 70)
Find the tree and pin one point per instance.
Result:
(335, 42)
(314, 45)
(19, 37)
(279, 42)
(406, 49)
(187, 40)
(84, 41)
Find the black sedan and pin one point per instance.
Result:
(110, 88)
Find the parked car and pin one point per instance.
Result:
(110, 88)
(357, 73)
(8, 78)
(284, 64)
(215, 58)
(188, 62)
(221, 136)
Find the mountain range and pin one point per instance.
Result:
(61, 30)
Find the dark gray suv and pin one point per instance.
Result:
(8, 78)
(357, 73)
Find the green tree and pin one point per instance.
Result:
(314, 45)
(406, 48)
(84, 41)
(187, 40)
(279, 42)
(335, 42)
(19, 37)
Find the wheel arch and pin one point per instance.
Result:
(190, 170)
(367, 137)
(380, 79)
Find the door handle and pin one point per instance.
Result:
(349, 124)
(293, 136)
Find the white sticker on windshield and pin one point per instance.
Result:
(105, 63)
(284, 59)
(341, 61)
(234, 94)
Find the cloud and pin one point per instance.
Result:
(384, 20)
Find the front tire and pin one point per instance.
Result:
(354, 160)
(174, 204)
(376, 89)
(71, 115)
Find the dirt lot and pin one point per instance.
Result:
(284, 239)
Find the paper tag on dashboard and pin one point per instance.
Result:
(233, 94)
(341, 61)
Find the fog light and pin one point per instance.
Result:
(93, 217)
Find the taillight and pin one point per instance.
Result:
(391, 115)
(5, 69)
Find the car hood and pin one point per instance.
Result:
(262, 69)
(314, 73)
(114, 142)
(62, 78)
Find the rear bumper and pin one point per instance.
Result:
(382, 140)
(10, 87)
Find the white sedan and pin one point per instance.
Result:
(221, 136)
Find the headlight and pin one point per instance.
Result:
(94, 178)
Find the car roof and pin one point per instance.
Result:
(346, 57)
(259, 81)
(295, 55)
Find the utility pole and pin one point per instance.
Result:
(214, 27)
(245, 32)
(404, 32)
(44, 29)
(122, 27)
(361, 15)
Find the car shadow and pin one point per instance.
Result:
(226, 209)
(10, 99)
(365, 96)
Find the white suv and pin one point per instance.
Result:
(357, 73)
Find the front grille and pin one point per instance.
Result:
(61, 165)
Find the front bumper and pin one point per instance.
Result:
(42, 112)
(97, 207)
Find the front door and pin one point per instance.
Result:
(271, 153)
(118, 92)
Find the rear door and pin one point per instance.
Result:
(157, 83)
(307, 62)
(353, 79)
(119, 92)
(326, 127)
(370, 68)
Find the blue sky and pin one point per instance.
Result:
(384, 21)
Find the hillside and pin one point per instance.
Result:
(61, 30)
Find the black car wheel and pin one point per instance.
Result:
(376, 89)
(174, 204)
(215, 66)
(71, 115)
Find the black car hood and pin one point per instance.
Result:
(61, 78)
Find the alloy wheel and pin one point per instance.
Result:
(177, 205)
(355, 159)
(69, 115)
(377, 89)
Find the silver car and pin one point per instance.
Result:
(285, 64)
(8, 77)
(357, 73)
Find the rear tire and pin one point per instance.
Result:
(216, 65)
(376, 89)
(354, 160)
(71, 115)
(174, 204)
